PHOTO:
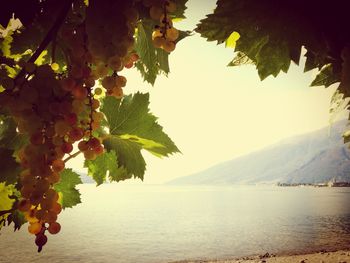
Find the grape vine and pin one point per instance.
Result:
(62, 85)
(55, 105)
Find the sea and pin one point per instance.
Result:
(161, 223)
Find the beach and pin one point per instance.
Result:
(341, 256)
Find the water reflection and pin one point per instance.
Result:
(162, 223)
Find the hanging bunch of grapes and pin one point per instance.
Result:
(56, 105)
(57, 108)
(164, 34)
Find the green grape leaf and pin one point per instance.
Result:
(9, 137)
(69, 195)
(105, 164)
(180, 9)
(163, 60)
(270, 47)
(6, 203)
(240, 59)
(311, 61)
(5, 44)
(9, 167)
(183, 34)
(17, 218)
(147, 64)
(129, 157)
(326, 77)
(133, 128)
(120, 174)
(131, 118)
(272, 59)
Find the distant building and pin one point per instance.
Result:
(334, 183)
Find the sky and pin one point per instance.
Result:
(215, 113)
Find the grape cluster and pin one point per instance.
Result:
(111, 48)
(55, 111)
(43, 110)
(165, 34)
(58, 108)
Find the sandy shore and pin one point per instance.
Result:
(342, 256)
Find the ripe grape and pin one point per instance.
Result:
(109, 82)
(27, 190)
(62, 128)
(83, 146)
(117, 92)
(115, 63)
(99, 149)
(68, 84)
(79, 92)
(90, 155)
(40, 241)
(56, 208)
(155, 12)
(24, 205)
(172, 34)
(169, 46)
(134, 57)
(27, 179)
(129, 64)
(40, 214)
(67, 147)
(34, 228)
(95, 125)
(76, 134)
(30, 216)
(54, 228)
(36, 197)
(93, 143)
(42, 185)
(95, 104)
(50, 217)
(58, 165)
(71, 118)
(158, 42)
(121, 81)
(55, 66)
(46, 204)
(98, 91)
(97, 116)
(51, 194)
(170, 6)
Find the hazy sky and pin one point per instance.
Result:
(214, 113)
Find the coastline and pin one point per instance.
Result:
(340, 256)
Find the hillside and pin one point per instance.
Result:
(310, 158)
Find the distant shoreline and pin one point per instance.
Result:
(329, 184)
(323, 256)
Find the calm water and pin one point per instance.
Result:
(119, 223)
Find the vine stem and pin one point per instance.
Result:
(50, 35)
(72, 156)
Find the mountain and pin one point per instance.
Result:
(86, 179)
(315, 157)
